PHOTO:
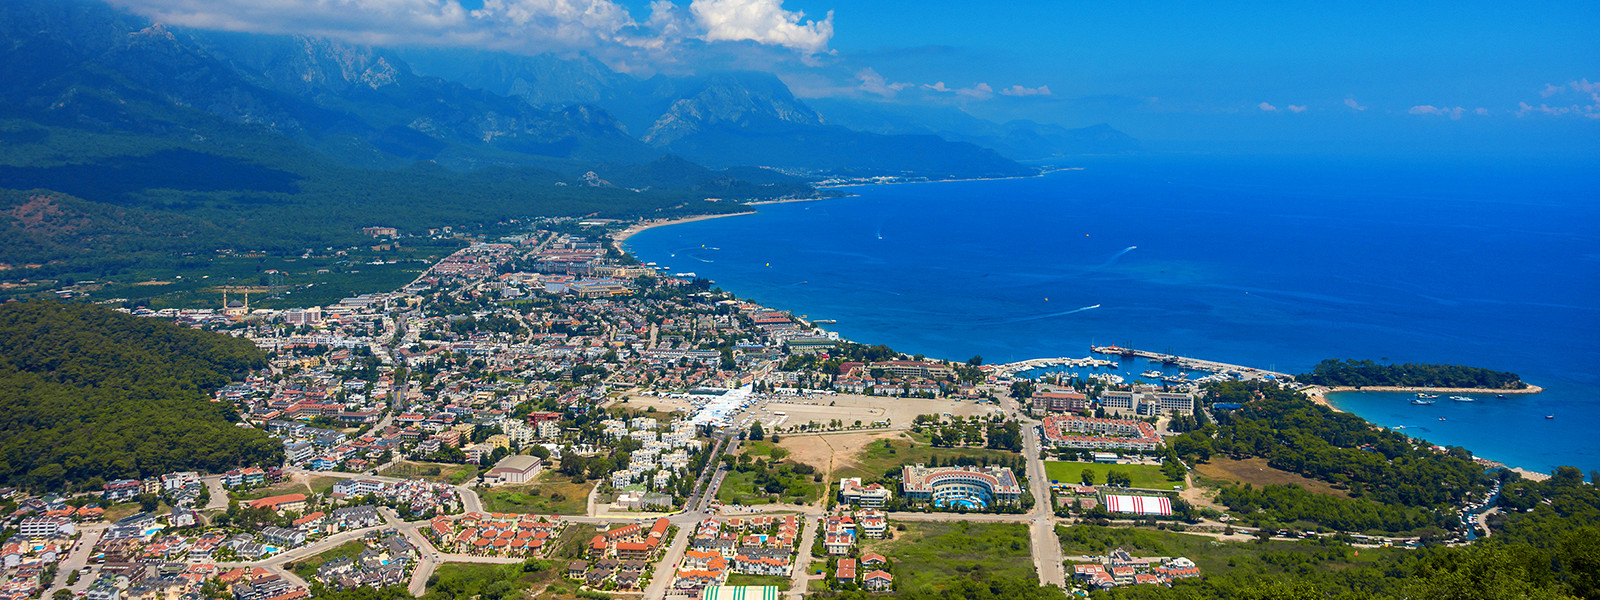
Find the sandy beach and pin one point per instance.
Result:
(620, 236)
(1318, 395)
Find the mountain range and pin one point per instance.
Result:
(109, 112)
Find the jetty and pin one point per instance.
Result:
(1187, 363)
(1221, 369)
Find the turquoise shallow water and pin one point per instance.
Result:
(1275, 263)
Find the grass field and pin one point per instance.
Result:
(1214, 556)
(931, 555)
(880, 456)
(462, 580)
(739, 487)
(1256, 472)
(548, 497)
(574, 541)
(119, 511)
(288, 486)
(308, 567)
(1144, 476)
(782, 583)
(322, 484)
(440, 472)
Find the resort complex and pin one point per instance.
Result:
(960, 487)
(1069, 431)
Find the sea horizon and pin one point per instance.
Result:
(1274, 263)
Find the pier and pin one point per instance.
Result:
(1192, 364)
(1182, 362)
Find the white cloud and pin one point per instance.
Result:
(1443, 111)
(763, 21)
(1267, 107)
(1583, 96)
(527, 26)
(979, 92)
(1018, 90)
(1351, 102)
(1480, 111)
(873, 83)
(1297, 108)
(530, 24)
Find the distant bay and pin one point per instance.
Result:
(1270, 262)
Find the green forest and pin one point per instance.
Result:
(79, 204)
(89, 394)
(1363, 373)
(1397, 484)
(1549, 553)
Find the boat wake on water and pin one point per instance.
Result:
(1047, 316)
(1116, 256)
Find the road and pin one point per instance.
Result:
(1046, 546)
(1047, 557)
(801, 575)
(219, 494)
(668, 567)
(78, 557)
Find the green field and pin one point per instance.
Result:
(440, 472)
(308, 567)
(931, 555)
(1217, 557)
(461, 580)
(878, 458)
(1144, 476)
(782, 583)
(548, 497)
(288, 486)
(748, 487)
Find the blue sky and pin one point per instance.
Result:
(1468, 76)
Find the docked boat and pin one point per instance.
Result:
(1422, 396)
(1151, 374)
(1462, 399)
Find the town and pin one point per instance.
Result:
(543, 399)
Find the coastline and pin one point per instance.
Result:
(1041, 173)
(632, 230)
(1317, 394)
(1531, 389)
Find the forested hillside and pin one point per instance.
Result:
(1397, 484)
(1551, 551)
(88, 393)
(1362, 373)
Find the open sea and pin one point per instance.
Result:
(1268, 262)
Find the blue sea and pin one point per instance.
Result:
(1269, 262)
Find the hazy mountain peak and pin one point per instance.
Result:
(738, 99)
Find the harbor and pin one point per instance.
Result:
(1217, 370)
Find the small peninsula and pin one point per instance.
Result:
(1366, 374)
